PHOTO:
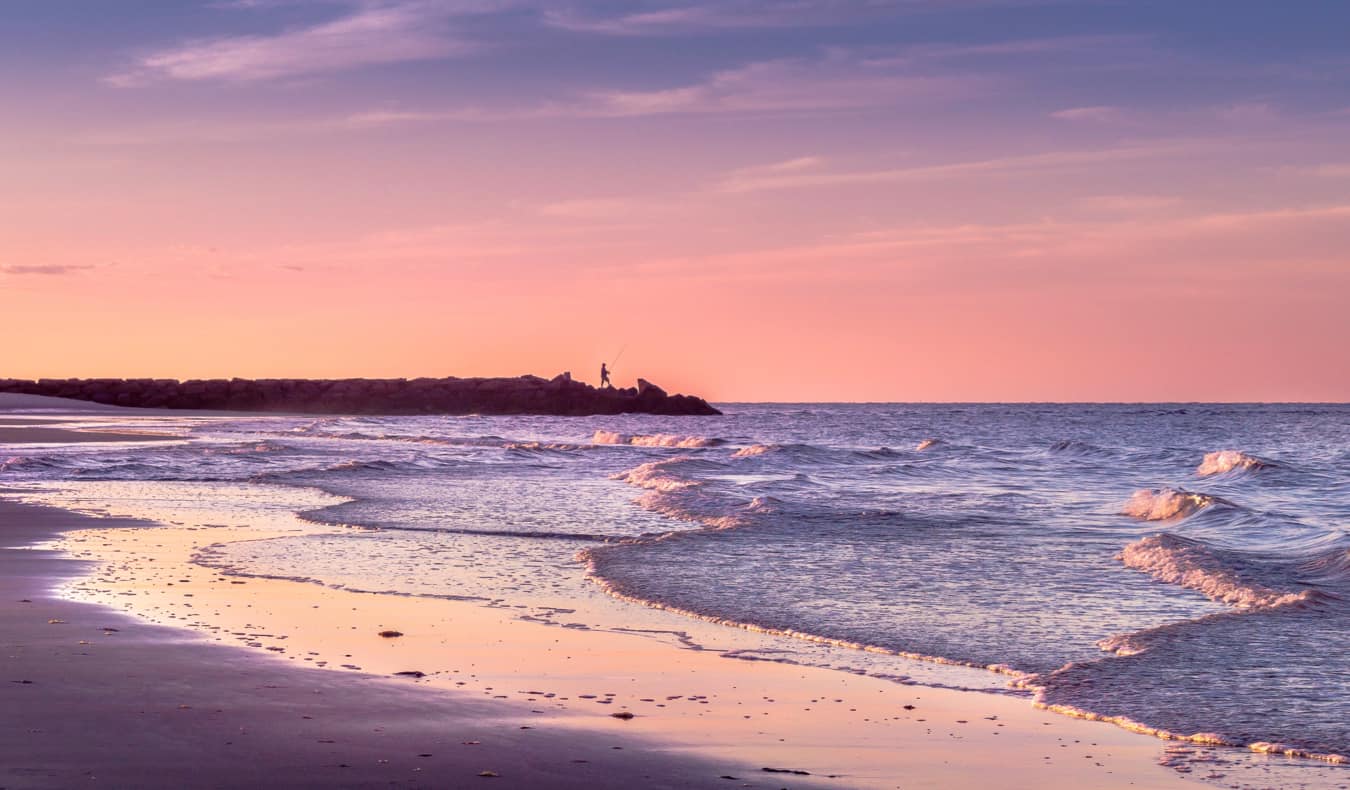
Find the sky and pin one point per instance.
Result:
(801, 200)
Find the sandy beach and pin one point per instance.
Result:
(131, 661)
(95, 697)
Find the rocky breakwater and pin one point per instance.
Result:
(524, 395)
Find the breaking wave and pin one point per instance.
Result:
(555, 447)
(1168, 503)
(1223, 461)
(756, 449)
(659, 475)
(653, 440)
(248, 448)
(1212, 572)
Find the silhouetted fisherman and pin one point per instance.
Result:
(604, 376)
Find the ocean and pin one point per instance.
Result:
(1180, 569)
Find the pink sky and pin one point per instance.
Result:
(826, 223)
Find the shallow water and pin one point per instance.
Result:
(1113, 558)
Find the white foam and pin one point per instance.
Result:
(1222, 461)
(1166, 503)
(655, 476)
(753, 450)
(558, 446)
(1036, 683)
(1192, 565)
(652, 440)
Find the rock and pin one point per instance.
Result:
(644, 387)
(560, 395)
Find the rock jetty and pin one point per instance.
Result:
(524, 395)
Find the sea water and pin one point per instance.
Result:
(1180, 569)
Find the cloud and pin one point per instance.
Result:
(589, 208)
(1233, 244)
(728, 14)
(1098, 114)
(749, 180)
(1129, 203)
(835, 80)
(755, 174)
(1246, 112)
(673, 18)
(51, 270)
(370, 34)
(1326, 170)
(838, 80)
(1057, 48)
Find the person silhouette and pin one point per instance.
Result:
(604, 376)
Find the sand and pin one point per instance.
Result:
(44, 404)
(92, 697)
(49, 435)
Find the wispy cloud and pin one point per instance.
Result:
(369, 34)
(1127, 204)
(1325, 170)
(756, 174)
(744, 180)
(1054, 248)
(836, 80)
(589, 208)
(1095, 114)
(1246, 112)
(50, 270)
(671, 17)
(1054, 48)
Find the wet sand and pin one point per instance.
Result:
(93, 697)
(46, 434)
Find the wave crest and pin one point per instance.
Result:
(1223, 461)
(1074, 447)
(18, 462)
(653, 440)
(558, 447)
(1168, 503)
(1193, 565)
(656, 476)
(755, 449)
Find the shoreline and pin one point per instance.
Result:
(94, 693)
(846, 730)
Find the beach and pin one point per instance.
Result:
(143, 653)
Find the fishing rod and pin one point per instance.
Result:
(619, 355)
